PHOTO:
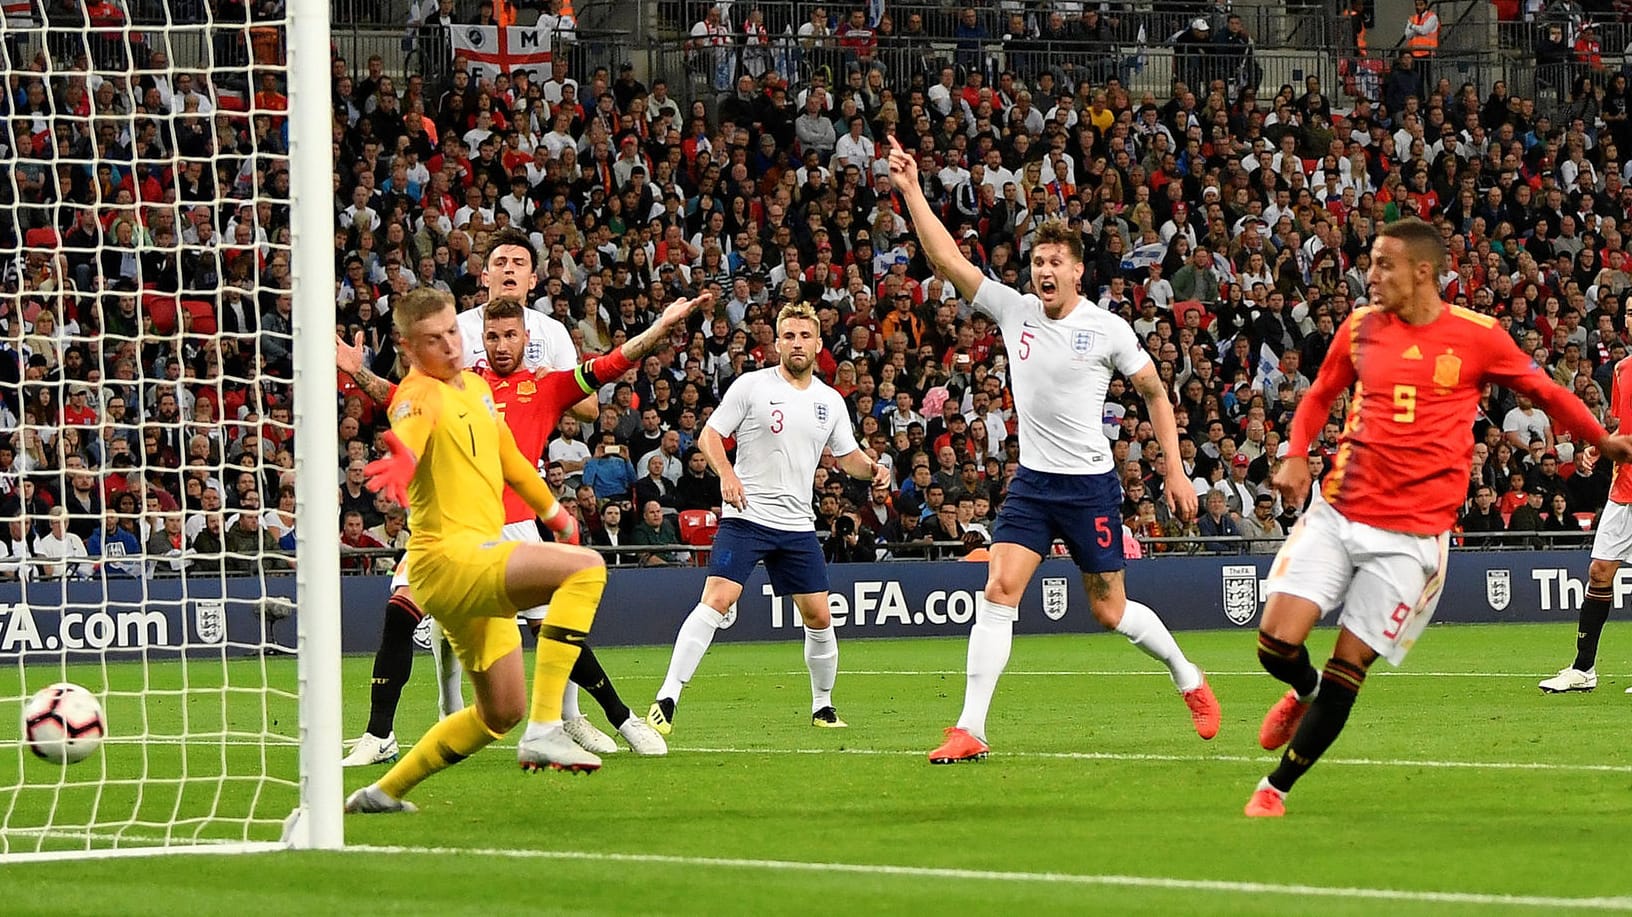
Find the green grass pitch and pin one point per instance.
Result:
(1455, 776)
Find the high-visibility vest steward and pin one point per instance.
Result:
(1423, 39)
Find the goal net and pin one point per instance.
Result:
(156, 320)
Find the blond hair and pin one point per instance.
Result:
(417, 306)
(800, 311)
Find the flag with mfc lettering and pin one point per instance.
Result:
(492, 50)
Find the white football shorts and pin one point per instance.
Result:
(1388, 583)
(1613, 540)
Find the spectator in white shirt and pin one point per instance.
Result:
(517, 203)
(61, 544)
(567, 448)
(854, 148)
(359, 214)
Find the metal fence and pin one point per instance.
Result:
(376, 560)
(709, 72)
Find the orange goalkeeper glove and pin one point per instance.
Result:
(563, 525)
(390, 475)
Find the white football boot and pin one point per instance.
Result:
(1570, 679)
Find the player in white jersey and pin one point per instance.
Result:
(1062, 353)
(782, 417)
(511, 270)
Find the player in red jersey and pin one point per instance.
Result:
(1376, 542)
(531, 403)
(1611, 546)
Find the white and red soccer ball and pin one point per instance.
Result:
(63, 723)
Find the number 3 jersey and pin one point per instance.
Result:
(1402, 460)
(780, 432)
(1059, 370)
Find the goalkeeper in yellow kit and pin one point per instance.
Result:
(450, 459)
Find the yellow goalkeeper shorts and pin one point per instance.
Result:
(462, 587)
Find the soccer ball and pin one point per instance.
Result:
(63, 723)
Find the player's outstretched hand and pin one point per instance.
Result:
(679, 310)
(1292, 480)
(1616, 448)
(882, 476)
(903, 168)
(390, 475)
(565, 527)
(1586, 459)
(349, 357)
(1180, 495)
(731, 490)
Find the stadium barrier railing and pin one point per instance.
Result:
(377, 561)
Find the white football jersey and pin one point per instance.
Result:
(780, 434)
(1060, 370)
(549, 344)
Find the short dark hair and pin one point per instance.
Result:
(511, 236)
(1055, 232)
(1422, 240)
(503, 308)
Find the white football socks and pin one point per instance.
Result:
(1146, 631)
(569, 703)
(450, 674)
(822, 658)
(989, 643)
(695, 635)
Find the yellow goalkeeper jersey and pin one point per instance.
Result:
(457, 493)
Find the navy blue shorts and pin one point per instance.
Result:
(793, 559)
(1082, 510)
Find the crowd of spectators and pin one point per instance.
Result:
(145, 354)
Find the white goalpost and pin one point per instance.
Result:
(168, 459)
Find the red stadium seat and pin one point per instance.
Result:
(698, 527)
(1584, 520)
(202, 315)
(42, 238)
(161, 308)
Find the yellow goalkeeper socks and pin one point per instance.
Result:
(572, 611)
(455, 738)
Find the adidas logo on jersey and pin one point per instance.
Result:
(1411, 353)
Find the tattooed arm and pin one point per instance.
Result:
(349, 358)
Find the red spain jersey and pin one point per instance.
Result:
(531, 404)
(1403, 458)
(1620, 407)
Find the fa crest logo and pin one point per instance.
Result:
(1082, 342)
(491, 410)
(1054, 597)
(1240, 593)
(821, 413)
(210, 621)
(1498, 589)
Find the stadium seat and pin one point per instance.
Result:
(1191, 305)
(1585, 521)
(161, 309)
(45, 237)
(697, 527)
(202, 315)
